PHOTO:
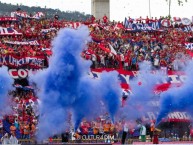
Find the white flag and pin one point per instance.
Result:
(112, 49)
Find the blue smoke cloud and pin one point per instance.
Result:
(65, 85)
(92, 92)
(142, 88)
(111, 92)
(178, 99)
(6, 83)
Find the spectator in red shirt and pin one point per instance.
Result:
(147, 20)
(105, 19)
(84, 128)
(92, 19)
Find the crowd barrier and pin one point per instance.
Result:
(99, 141)
(87, 141)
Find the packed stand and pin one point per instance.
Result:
(112, 46)
(22, 120)
(120, 48)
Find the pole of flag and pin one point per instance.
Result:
(150, 8)
(169, 7)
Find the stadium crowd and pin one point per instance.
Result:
(124, 49)
(24, 114)
(112, 46)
